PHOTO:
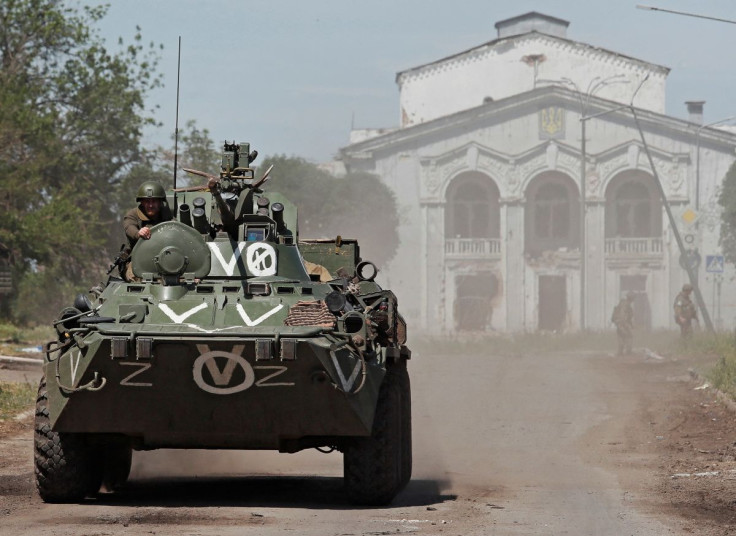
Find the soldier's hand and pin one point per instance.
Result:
(144, 233)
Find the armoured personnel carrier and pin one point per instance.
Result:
(223, 340)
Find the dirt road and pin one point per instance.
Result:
(565, 443)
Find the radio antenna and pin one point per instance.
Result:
(176, 127)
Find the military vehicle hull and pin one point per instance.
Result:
(215, 383)
(216, 336)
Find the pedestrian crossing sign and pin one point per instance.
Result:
(714, 264)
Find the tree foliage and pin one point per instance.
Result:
(358, 205)
(71, 116)
(727, 200)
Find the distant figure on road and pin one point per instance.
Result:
(623, 317)
(685, 311)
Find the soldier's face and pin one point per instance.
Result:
(151, 207)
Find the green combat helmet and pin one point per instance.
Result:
(235, 334)
(150, 190)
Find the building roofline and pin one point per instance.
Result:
(504, 40)
(514, 101)
(537, 14)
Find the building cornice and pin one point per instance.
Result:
(493, 47)
(497, 112)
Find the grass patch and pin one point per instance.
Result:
(11, 333)
(723, 374)
(16, 398)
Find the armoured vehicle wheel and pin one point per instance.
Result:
(375, 467)
(67, 469)
(406, 443)
(116, 462)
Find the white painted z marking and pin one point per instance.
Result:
(278, 371)
(143, 367)
(229, 267)
(251, 323)
(347, 385)
(178, 319)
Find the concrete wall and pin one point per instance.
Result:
(500, 70)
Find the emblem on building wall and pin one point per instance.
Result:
(551, 123)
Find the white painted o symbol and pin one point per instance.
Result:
(222, 377)
(261, 259)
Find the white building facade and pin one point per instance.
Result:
(487, 166)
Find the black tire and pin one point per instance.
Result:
(67, 468)
(406, 442)
(116, 462)
(375, 469)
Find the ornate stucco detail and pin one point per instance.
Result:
(592, 182)
(497, 169)
(472, 157)
(671, 168)
(430, 178)
(673, 177)
(633, 156)
(538, 162)
(438, 171)
(552, 152)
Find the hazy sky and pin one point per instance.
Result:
(291, 75)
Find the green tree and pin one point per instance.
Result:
(727, 200)
(71, 116)
(358, 205)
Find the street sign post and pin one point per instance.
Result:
(714, 264)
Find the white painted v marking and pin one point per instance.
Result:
(178, 319)
(251, 323)
(347, 385)
(74, 360)
(229, 267)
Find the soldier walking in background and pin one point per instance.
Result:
(685, 311)
(623, 318)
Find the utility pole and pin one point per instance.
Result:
(673, 224)
(594, 85)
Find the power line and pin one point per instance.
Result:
(652, 8)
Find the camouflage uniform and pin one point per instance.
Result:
(623, 317)
(685, 311)
(135, 220)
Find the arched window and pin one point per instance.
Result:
(633, 209)
(472, 208)
(552, 213)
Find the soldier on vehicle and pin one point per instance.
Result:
(623, 318)
(152, 209)
(685, 311)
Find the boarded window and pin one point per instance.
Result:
(473, 302)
